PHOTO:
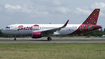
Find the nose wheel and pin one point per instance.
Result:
(49, 38)
(15, 38)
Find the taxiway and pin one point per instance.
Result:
(58, 40)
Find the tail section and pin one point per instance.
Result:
(90, 23)
(92, 19)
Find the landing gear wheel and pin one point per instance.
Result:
(49, 38)
(15, 38)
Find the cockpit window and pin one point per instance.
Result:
(8, 27)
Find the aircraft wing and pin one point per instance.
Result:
(51, 31)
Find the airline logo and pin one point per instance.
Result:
(34, 27)
(19, 27)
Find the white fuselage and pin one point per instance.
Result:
(27, 29)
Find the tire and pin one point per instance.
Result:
(49, 38)
(14, 39)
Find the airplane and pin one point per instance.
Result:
(41, 30)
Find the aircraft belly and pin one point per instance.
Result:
(63, 32)
(12, 32)
(21, 32)
(25, 32)
(66, 32)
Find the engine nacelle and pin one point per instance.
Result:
(36, 35)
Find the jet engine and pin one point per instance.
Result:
(36, 35)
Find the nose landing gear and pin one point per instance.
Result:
(15, 38)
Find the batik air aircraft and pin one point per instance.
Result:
(41, 30)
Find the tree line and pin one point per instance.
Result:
(88, 34)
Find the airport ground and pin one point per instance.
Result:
(55, 40)
(52, 50)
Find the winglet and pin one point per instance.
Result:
(65, 24)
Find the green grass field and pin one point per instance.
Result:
(52, 50)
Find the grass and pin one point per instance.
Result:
(52, 50)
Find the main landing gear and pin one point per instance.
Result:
(49, 38)
(15, 38)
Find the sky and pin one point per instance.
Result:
(49, 11)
